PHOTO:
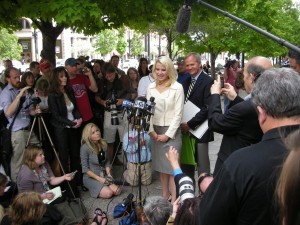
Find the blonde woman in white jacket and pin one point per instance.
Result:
(165, 123)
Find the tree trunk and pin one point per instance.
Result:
(50, 34)
(169, 42)
(213, 57)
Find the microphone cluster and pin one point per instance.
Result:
(140, 110)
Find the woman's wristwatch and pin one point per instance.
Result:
(201, 178)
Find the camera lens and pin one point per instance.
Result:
(186, 188)
(114, 115)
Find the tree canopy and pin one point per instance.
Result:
(89, 17)
(9, 46)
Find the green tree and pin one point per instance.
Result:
(217, 33)
(105, 41)
(121, 42)
(9, 46)
(89, 17)
(136, 45)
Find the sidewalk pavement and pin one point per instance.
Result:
(153, 189)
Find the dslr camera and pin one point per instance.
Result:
(112, 108)
(82, 70)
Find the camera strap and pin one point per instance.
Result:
(22, 100)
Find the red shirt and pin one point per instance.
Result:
(80, 85)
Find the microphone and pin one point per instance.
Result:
(183, 19)
(139, 106)
(150, 111)
(127, 200)
(127, 105)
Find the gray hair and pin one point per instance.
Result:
(277, 92)
(196, 55)
(157, 210)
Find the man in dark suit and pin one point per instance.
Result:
(197, 90)
(239, 124)
(243, 190)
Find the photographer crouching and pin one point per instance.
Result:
(112, 90)
(231, 70)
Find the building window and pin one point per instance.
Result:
(25, 24)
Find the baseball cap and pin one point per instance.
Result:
(180, 60)
(71, 62)
(44, 64)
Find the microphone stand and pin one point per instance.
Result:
(138, 129)
(139, 207)
(255, 28)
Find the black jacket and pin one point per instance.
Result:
(239, 126)
(58, 108)
(242, 193)
(200, 97)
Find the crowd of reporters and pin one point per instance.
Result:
(83, 102)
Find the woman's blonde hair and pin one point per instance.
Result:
(27, 208)
(171, 72)
(30, 154)
(85, 139)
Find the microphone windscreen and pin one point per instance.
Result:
(183, 19)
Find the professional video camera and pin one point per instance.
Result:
(112, 107)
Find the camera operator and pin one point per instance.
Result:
(112, 90)
(230, 74)
(16, 105)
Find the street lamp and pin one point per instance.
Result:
(35, 36)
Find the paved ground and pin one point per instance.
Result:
(152, 189)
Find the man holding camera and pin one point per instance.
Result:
(239, 125)
(80, 82)
(112, 90)
(16, 104)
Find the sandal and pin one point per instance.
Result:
(104, 218)
(97, 216)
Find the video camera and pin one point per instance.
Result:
(141, 109)
(112, 108)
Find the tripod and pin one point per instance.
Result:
(40, 119)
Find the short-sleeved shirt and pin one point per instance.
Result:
(7, 96)
(80, 85)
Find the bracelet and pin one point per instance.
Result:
(201, 178)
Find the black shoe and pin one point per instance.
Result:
(84, 188)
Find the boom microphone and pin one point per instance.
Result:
(183, 19)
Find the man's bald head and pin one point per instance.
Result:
(253, 69)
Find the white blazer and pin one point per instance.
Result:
(168, 108)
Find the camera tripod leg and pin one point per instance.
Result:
(30, 133)
(40, 118)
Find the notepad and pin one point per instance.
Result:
(57, 193)
(189, 111)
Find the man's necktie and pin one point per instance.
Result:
(193, 81)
